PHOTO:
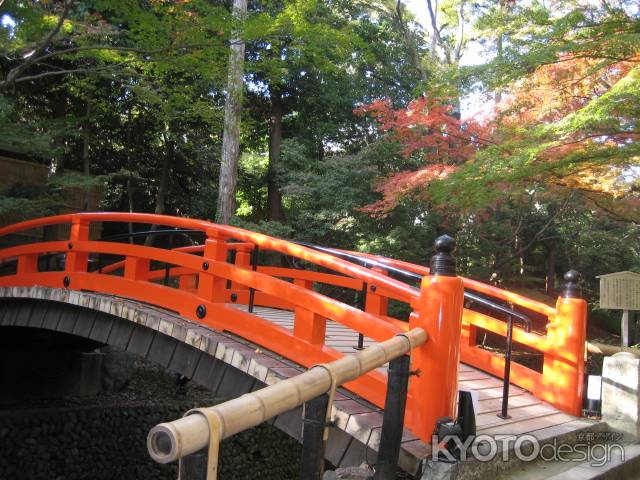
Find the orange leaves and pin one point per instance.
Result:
(399, 185)
(557, 89)
(429, 128)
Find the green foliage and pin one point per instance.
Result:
(132, 87)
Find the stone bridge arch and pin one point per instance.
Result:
(225, 364)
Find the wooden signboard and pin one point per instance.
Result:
(621, 291)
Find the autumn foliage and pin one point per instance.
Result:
(565, 124)
(428, 128)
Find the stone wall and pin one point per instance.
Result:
(109, 442)
(103, 436)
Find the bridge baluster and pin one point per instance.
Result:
(242, 260)
(27, 264)
(77, 261)
(439, 312)
(210, 286)
(376, 304)
(136, 268)
(187, 282)
(308, 325)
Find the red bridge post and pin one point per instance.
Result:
(439, 312)
(210, 286)
(376, 304)
(563, 371)
(77, 261)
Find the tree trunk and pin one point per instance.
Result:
(550, 286)
(226, 205)
(410, 42)
(59, 143)
(163, 185)
(274, 197)
(130, 202)
(86, 138)
(86, 165)
(499, 49)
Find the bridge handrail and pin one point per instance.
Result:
(562, 346)
(263, 241)
(171, 441)
(495, 292)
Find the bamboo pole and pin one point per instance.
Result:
(605, 349)
(171, 441)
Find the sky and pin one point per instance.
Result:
(419, 9)
(475, 104)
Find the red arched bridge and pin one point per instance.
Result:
(200, 297)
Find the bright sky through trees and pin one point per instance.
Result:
(475, 103)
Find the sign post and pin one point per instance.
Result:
(621, 291)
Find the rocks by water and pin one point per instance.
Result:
(105, 437)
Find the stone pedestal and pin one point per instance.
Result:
(621, 393)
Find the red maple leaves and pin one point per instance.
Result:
(428, 128)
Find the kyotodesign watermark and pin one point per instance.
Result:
(596, 448)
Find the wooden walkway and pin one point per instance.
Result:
(528, 413)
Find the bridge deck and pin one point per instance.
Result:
(528, 413)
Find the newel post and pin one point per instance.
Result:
(439, 312)
(76, 261)
(211, 287)
(567, 335)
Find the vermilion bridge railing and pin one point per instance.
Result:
(205, 284)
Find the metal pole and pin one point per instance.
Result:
(362, 300)
(254, 267)
(173, 440)
(507, 371)
(193, 467)
(167, 267)
(231, 258)
(393, 420)
(313, 443)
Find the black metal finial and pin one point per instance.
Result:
(443, 263)
(571, 287)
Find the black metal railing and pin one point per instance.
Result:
(468, 296)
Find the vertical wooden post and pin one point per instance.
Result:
(306, 324)
(27, 264)
(187, 282)
(242, 260)
(439, 312)
(624, 328)
(211, 287)
(313, 439)
(77, 261)
(255, 254)
(136, 268)
(563, 371)
(393, 420)
(376, 304)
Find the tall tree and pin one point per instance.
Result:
(232, 115)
